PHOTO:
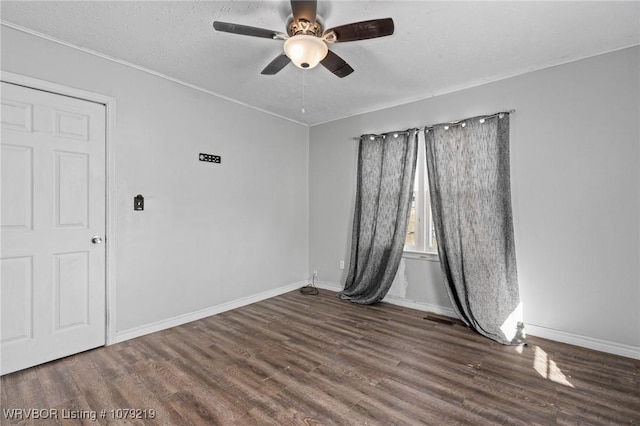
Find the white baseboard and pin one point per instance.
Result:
(121, 336)
(628, 351)
(421, 306)
(328, 286)
(532, 329)
(584, 341)
(407, 303)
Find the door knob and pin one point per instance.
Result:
(96, 240)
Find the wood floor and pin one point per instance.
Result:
(300, 359)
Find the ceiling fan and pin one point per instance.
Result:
(306, 41)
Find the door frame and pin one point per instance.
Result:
(110, 110)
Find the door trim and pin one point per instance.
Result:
(110, 109)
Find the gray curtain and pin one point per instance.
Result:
(468, 169)
(386, 169)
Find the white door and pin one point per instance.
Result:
(52, 288)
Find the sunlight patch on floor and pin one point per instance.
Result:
(548, 369)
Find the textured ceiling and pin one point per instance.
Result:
(437, 46)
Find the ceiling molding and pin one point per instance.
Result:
(437, 47)
(473, 84)
(143, 69)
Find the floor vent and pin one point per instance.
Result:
(438, 319)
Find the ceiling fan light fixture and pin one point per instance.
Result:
(305, 51)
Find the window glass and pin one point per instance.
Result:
(421, 235)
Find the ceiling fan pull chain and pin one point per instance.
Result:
(304, 83)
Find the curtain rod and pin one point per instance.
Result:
(431, 126)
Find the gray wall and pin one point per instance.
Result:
(209, 234)
(575, 191)
(213, 234)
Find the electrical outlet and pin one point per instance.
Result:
(315, 273)
(342, 264)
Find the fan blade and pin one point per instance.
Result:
(361, 30)
(276, 65)
(304, 10)
(336, 65)
(247, 30)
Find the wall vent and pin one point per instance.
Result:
(438, 320)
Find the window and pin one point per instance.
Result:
(421, 234)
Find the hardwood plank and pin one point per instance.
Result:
(299, 359)
(57, 385)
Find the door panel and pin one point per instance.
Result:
(71, 289)
(17, 290)
(53, 203)
(72, 189)
(16, 115)
(17, 162)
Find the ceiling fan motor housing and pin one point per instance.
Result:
(302, 26)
